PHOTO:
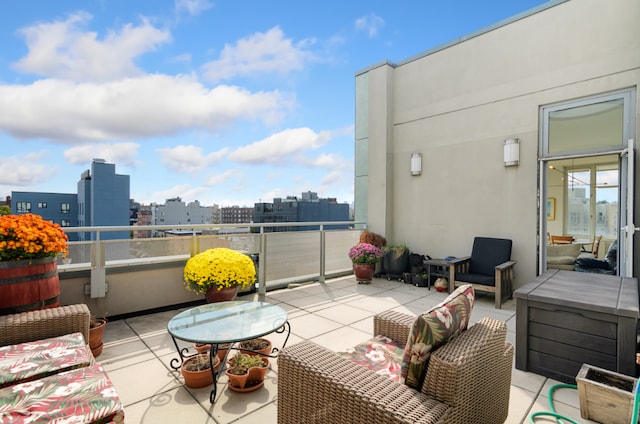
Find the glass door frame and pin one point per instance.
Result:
(625, 191)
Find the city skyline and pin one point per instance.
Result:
(226, 103)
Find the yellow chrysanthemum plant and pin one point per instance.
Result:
(29, 236)
(219, 268)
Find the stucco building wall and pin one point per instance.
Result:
(457, 104)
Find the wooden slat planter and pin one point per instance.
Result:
(605, 396)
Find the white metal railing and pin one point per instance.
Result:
(283, 256)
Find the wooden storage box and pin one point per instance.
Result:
(605, 396)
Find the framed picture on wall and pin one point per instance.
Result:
(551, 209)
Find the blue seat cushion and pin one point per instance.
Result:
(485, 280)
(487, 253)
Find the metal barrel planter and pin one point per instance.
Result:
(28, 285)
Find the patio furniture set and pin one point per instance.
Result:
(465, 377)
(48, 373)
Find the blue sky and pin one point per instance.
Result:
(225, 102)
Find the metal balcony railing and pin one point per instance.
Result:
(282, 257)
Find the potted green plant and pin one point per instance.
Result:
(364, 257)
(246, 372)
(395, 260)
(196, 370)
(217, 273)
(420, 279)
(258, 346)
(29, 249)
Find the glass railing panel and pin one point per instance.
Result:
(292, 254)
(337, 245)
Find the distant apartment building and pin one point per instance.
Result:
(236, 215)
(176, 212)
(103, 200)
(60, 208)
(307, 208)
(144, 216)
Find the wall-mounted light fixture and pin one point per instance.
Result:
(416, 163)
(511, 152)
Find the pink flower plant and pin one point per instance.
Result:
(365, 253)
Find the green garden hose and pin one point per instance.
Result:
(561, 419)
(553, 412)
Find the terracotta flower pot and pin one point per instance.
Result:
(214, 295)
(364, 272)
(222, 349)
(252, 380)
(198, 378)
(96, 333)
(264, 351)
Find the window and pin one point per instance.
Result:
(65, 223)
(64, 207)
(23, 207)
(42, 205)
(592, 195)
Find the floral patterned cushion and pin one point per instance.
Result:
(83, 395)
(379, 354)
(33, 360)
(432, 330)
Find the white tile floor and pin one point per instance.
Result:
(336, 315)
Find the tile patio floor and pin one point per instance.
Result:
(337, 314)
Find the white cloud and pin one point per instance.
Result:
(218, 179)
(278, 148)
(120, 153)
(147, 106)
(370, 23)
(193, 7)
(24, 170)
(259, 53)
(63, 50)
(330, 161)
(189, 159)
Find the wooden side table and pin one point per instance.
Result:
(567, 318)
(436, 268)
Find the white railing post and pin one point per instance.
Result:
(98, 271)
(262, 263)
(322, 254)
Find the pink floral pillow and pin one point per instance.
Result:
(432, 330)
(380, 354)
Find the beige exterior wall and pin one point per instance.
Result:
(457, 104)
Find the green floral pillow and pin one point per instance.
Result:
(432, 330)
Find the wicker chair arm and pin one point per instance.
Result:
(44, 323)
(317, 386)
(472, 374)
(394, 325)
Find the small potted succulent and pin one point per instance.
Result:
(246, 372)
(259, 346)
(196, 370)
(364, 257)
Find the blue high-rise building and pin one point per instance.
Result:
(103, 200)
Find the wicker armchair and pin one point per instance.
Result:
(44, 323)
(468, 380)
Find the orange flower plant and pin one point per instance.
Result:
(29, 236)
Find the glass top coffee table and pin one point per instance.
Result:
(225, 322)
